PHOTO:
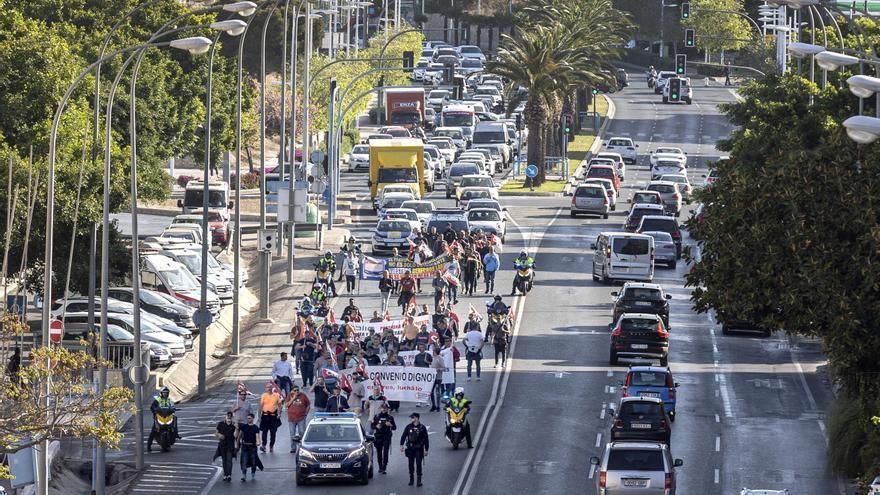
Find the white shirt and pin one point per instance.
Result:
(350, 266)
(282, 368)
(473, 340)
(449, 362)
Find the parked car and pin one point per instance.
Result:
(153, 302)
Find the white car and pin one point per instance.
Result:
(617, 159)
(437, 159)
(485, 203)
(359, 157)
(483, 181)
(478, 158)
(686, 93)
(489, 220)
(419, 70)
(684, 185)
(662, 78)
(471, 51)
(623, 146)
(392, 200)
(422, 207)
(489, 90)
(406, 214)
(447, 149)
(437, 98)
(609, 190)
(667, 167)
(493, 162)
(667, 153)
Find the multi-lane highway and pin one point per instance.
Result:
(750, 409)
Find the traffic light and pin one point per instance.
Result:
(685, 10)
(595, 91)
(566, 123)
(674, 88)
(688, 37)
(408, 60)
(681, 61)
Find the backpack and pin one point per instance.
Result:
(491, 264)
(456, 356)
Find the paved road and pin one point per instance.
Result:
(750, 408)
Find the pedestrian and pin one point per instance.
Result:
(337, 403)
(449, 234)
(282, 374)
(241, 408)
(14, 365)
(382, 426)
(374, 403)
(491, 262)
(473, 344)
(350, 268)
(226, 443)
(308, 349)
(500, 339)
(407, 291)
(471, 272)
(453, 271)
(448, 355)
(727, 74)
(270, 416)
(298, 406)
(358, 392)
(440, 286)
(386, 286)
(248, 438)
(321, 394)
(439, 367)
(414, 443)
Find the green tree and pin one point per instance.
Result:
(715, 30)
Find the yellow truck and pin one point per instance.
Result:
(397, 162)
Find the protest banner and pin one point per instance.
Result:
(401, 383)
(427, 269)
(372, 268)
(362, 329)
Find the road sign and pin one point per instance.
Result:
(17, 305)
(266, 239)
(206, 317)
(531, 171)
(56, 330)
(139, 374)
(317, 157)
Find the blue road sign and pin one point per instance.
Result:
(531, 171)
(17, 304)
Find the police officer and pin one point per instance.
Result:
(383, 424)
(160, 402)
(458, 401)
(414, 443)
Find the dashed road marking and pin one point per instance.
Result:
(598, 439)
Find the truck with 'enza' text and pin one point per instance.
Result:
(405, 107)
(397, 162)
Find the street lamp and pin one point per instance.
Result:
(363, 28)
(832, 60)
(347, 8)
(801, 50)
(663, 7)
(863, 86)
(862, 129)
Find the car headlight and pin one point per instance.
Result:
(356, 453)
(377, 238)
(306, 454)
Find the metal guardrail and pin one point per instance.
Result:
(555, 167)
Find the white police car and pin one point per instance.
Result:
(334, 446)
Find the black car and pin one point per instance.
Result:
(639, 335)
(636, 297)
(153, 303)
(654, 223)
(335, 447)
(641, 418)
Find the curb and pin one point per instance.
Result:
(531, 193)
(597, 143)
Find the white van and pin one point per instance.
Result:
(218, 197)
(161, 273)
(623, 256)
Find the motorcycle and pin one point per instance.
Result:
(652, 79)
(498, 322)
(307, 307)
(323, 275)
(456, 422)
(525, 275)
(163, 424)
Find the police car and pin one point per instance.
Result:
(455, 217)
(334, 446)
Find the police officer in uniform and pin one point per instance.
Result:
(414, 443)
(383, 424)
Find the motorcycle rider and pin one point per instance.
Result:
(458, 401)
(498, 307)
(161, 402)
(329, 264)
(317, 294)
(522, 260)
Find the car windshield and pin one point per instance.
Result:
(360, 150)
(420, 207)
(647, 379)
(659, 236)
(470, 49)
(117, 333)
(432, 152)
(643, 294)
(661, 224)
(457, 225)
(635, 460)
(180, 279)
(458, 119)
(393, 226)
(646, 199)
(640, 408)
(437, 94)
(489, 137)
(631, 246)
(392, 203)
(483, 216)
(422, 64)
(453, 133)
(477, 182)
(590, 192)
(472, 63)
(475, 194)
(662, 188)
(442, 144)
(321, 433)
(192, 262)
(668, 150)
(193, 199)
(600, 172)
(397, 175)
(639, 325)
(151, 298)
(459, 170)
(619, 142)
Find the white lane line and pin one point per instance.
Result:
(717, 393)
(717, 378)
(610, 373)
(717, 418)
(717, 443)
(598, 439)
(592, 471)
(717, 476)
(602, 412)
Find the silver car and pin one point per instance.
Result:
(669, 194)
(636, 468)
(590, 199)
(664, 248)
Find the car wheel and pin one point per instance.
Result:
(664, 361)
(605, 216)
(725, 330)
(573, 214)
(370, 474)
(612, 358)
(365, 478)
(673, 265)
(300, 481)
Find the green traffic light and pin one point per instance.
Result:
(567, 130)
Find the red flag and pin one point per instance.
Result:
(454, 317)
(344, 383)
(510, 314)
(331, 317)
(361, 367)
(378, 383)
(452, 279)
(472, 310)
(276, 389)
(411, 305)
(387, 315)
(240, 387)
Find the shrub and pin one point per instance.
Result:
(249, 180)
(853, 442)
(183, 180)
(376, 113)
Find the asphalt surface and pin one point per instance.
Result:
(750, 409)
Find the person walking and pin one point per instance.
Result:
(491, 262)
(471, 272)
(414, 443)
(270, 412)
(282, 374)
(383, 425)
(337, 403)
(241, 408)
(321, 394)
(727, 74)
(308, 352)
(225, 434)
(500, 339)
(298, 406)
(373, 404)
(407, 291)
(440, 286)
(350, 268)
(386, 287)
(473, 344)
(439, 367)
(248, 438)
(453, 269)
(448, 356)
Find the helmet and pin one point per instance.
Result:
(459, 391)
(523, 254)
(328, 254)
(497, 297)
(165, 390)
(316, 285)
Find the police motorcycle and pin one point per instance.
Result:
(498, 318)
(525, 273)
(457, 425)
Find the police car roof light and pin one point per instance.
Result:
(335, 415)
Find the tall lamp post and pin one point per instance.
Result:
(193, 45)
(663, 6)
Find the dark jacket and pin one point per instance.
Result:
(337, 403)
(386, 284)
(421, 437)
(383, 424)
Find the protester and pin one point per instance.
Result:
(248, 438)
(382, 426)
(241, 408)
(386, 287)
(226, 444)
(350, 310)
(298, 405)
(308, 349)
(414, 443)
(358, 391)
(491, 263)
(447, 354)
(440, 286)
(407, 291)
(282, 374)
(473, 343)
(374, 403)
(471, 272)
(270, 413)
(500, 341)
(453, 272)
(375, 319)
(321, 394)
(350, 268)
(439, 366)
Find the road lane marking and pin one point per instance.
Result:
(717, 476)
(717, 418)
(598, 439)
(610, 373)
(717, 443)
(592, 471)
(602, 411)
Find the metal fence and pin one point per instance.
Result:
(555, 167)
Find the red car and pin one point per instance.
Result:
(219, 227)
(604, 172)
